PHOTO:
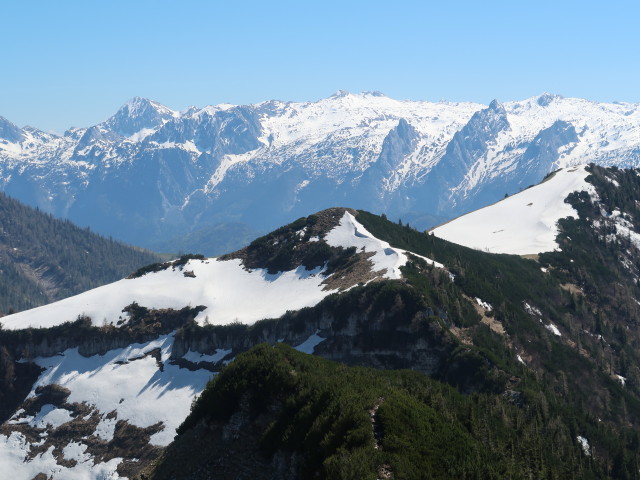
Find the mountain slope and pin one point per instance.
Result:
(43, 259)
(265, 164)
(562, 332)
(544, 352)
(145, 355)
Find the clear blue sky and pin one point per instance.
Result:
(73, 63)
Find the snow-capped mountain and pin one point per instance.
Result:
(149, 171)
(231, 289)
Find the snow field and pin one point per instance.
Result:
(124, 380)
(525, 223)
(229, 292)
(14, 449)
(127, 381)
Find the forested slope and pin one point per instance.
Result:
(43, 259)
(278, 413)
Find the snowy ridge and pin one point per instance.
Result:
(606, 133)
(229, 291)
(386, 259)
(525, 223)
(354, 121)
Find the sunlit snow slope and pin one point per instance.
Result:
(525, 223)
(229, 292)
(120, 393)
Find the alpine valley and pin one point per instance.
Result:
(517, 358)
(212, 178)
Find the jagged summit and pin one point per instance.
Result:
(495, 105)
(138, 106)
(138, 115)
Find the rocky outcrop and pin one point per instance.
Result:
(142, 326)
(352, 329)
(466, 147)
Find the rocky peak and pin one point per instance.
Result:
(468, 145)
(138, 114)
(399, 142)
(546, 98)
(10, 132)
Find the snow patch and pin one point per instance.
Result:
(75, 451)
(624, 228)
(533, 311)
(584, 443)
(51, 415)
(196, 357)
(553, 329)
(106, 428)
(485, 305)
(142, 134)
(309, 345)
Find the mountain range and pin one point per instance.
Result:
(148, 173)
(525, 366)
